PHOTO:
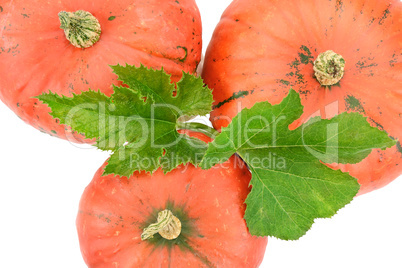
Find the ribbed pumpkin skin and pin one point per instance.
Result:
(36, 57)
(262, 48)
(114, 210)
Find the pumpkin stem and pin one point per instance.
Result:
(167, 225)
(81, 28)
(329, 68)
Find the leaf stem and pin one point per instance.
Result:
(198, 127)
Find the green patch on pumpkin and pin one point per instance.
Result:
(354, 104)
(236, 95)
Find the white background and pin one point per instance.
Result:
(42, 178)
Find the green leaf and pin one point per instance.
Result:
(290, 184)
(138, 123)
(71, 110)
(155, 84)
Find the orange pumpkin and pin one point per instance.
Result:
(35, 55)
(114, 211)
(262, 48)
